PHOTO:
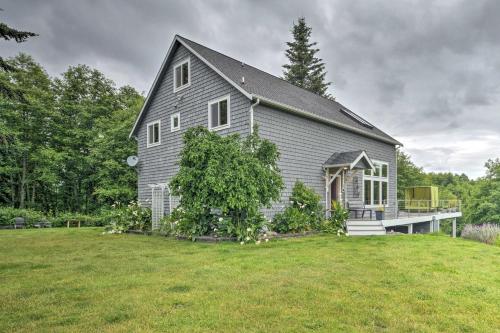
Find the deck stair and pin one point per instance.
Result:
(365, 228)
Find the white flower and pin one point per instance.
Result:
(249, 229)
(267, 240)
(347, 234)
(257, 242)
(242, 243)
(247, 239)
(220, 219)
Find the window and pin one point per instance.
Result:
(219, 113)
(376, 184)
(182, 75)
(175, 122)
(153, 134)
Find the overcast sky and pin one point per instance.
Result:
(426, 72)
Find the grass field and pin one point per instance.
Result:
(77, 280)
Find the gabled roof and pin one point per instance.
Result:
(351, 159)
(271, 90)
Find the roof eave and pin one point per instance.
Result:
(307, 114)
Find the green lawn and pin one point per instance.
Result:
(79, 280)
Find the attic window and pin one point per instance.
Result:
(182, 74)
(153, 134)
(356, 118)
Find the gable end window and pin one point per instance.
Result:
(219, 113)
(175, 122)
(376, 185)
(154, 134)
(182, 74)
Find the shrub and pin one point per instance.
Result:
(336, 222)
(303, 214)
(7, 215)
(487, 233)
(232, 175)
(128, 217)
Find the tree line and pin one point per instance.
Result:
(480, 197)
(63, 144)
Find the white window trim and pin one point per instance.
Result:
(149, 145)
(221, 127)
(178, 116)
(180, 63)
(373, 178)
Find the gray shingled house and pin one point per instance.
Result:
(322, 143)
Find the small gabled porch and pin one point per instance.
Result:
(336, 168)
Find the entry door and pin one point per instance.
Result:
(335, 193)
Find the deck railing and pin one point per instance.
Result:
(411, 208)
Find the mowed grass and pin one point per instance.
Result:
(78, 280)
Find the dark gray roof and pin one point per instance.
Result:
(262, 84)
(347, 158)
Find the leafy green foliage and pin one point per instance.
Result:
(484, 203)
(227, 173)
(305, 69)
(128, 217)
(63, 147)
(7, 215)
(303, 214)
(336, 223)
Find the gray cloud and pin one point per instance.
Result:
(426, 71)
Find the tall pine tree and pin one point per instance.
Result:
(305, 69)
(8, 33)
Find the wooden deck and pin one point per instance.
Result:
(360, 227)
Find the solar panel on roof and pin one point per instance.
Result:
(356, 118)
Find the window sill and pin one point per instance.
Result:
(182, 87)
(175, 129)
(153, 145)
(218, 128)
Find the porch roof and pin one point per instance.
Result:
(357, 159)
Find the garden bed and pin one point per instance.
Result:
(215, 239)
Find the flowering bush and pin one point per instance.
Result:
(335, 224)
(128, 217)
(487, 233)
(303, 214)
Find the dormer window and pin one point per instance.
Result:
(182, 74)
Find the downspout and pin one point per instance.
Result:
(251, 114)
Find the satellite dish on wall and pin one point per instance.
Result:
(132, 160)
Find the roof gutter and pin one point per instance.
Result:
(270, 102)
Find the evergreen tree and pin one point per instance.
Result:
(305, 69)
(8, 33)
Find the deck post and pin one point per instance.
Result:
(410, 229)
(454, 228)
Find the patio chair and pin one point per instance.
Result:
(358, 206)
(19, 223)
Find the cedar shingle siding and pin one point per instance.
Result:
(158, 164)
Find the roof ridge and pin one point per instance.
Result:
(267, 73)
